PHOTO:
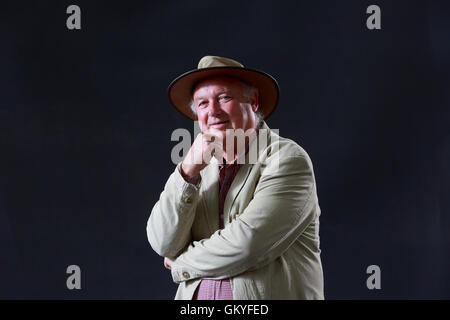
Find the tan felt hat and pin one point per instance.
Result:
(180, 89)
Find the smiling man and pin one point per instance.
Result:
(233, 226)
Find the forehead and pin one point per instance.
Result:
(215, 85)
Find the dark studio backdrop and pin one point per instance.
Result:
(85, 129)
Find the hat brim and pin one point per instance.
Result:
(180, 89)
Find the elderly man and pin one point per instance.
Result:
(229, 226)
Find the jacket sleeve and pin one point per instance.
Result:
(284, 204)
(170, 222)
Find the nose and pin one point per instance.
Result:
(214, 108)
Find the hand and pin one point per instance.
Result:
(168, 263)
(205, 145)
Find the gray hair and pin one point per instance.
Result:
(247, 91)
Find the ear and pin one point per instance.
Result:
(255, 101)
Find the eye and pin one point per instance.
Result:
(201, 104)
(224, 98)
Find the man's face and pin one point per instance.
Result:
(221, 105)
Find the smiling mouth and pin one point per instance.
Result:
(218, 123)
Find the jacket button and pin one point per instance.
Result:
(186, 275)
(188, 200)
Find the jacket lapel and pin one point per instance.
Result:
(256, 146)
(236, 187)
(210, 181)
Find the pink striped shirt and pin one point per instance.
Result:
(219, 289)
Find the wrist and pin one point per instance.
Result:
(190, 176)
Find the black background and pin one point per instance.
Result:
(86, 126)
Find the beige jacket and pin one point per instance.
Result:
(269, 247)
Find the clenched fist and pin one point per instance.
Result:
(206, 145)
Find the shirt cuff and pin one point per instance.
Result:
(180, 274)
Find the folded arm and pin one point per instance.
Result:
(281, 209)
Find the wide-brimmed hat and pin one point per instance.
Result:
(180, 89)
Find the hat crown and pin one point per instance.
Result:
(215, 61)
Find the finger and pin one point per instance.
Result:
(167, 263)
(213, 132)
